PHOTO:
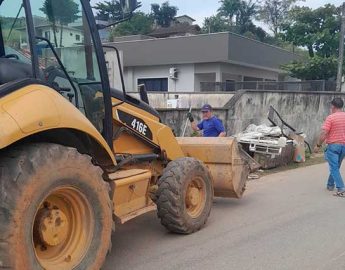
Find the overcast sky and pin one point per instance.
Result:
(199, 9)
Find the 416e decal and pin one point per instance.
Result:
(136, 123)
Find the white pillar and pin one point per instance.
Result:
(219, 76)
(130, 80)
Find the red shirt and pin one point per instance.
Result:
(334, 125)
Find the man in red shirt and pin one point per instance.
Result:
(333, 132)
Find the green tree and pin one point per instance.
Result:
(238, 16)
(109, 10)
(229, 9)
(49, 11)
(215, 24)
(258, 32)
(140, 23)
(114, 10)
(239, 13)
(67, 13)
(163, 15)
(318, 31)
(246, 13)
(314, 68)
(274, 13)
(62, 12)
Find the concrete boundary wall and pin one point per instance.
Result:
(304, 111)
(196, 100)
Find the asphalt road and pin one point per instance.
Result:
(285, 221)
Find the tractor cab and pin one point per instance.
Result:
(57, 43)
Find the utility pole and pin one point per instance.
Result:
(341, 49)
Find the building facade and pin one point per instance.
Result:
(196, 63)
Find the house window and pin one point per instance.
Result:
(77, 37)
(155, 84)
(47, 35)
(251, 82)
(272, 85)
(230, 85)
(71, 34)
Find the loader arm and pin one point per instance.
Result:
(149, 135)
(139, 131)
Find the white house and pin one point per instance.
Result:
(184, 19)
(71, 35)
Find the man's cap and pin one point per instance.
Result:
(206, 108)
(338, 103)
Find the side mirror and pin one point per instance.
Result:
(143, 93)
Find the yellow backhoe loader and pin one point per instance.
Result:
(76, 155)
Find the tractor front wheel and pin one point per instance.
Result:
(184, 196)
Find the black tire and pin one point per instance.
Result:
(29, 173)
(171, 202)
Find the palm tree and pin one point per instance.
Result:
(246, 13)
(48, 10)
(68, 13)
(62, 12)
(229, 9)
(240, 11)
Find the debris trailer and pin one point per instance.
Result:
(76, 155)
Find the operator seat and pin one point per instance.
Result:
(13, 69)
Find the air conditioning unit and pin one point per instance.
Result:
(173, 103)
(173, 73)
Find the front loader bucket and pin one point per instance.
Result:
(229, 168)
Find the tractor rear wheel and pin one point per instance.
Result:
(184, 196)
(55, 210)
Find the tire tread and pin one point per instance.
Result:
(169, 197)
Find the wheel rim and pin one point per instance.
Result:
(195, 197)
(63, 229)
